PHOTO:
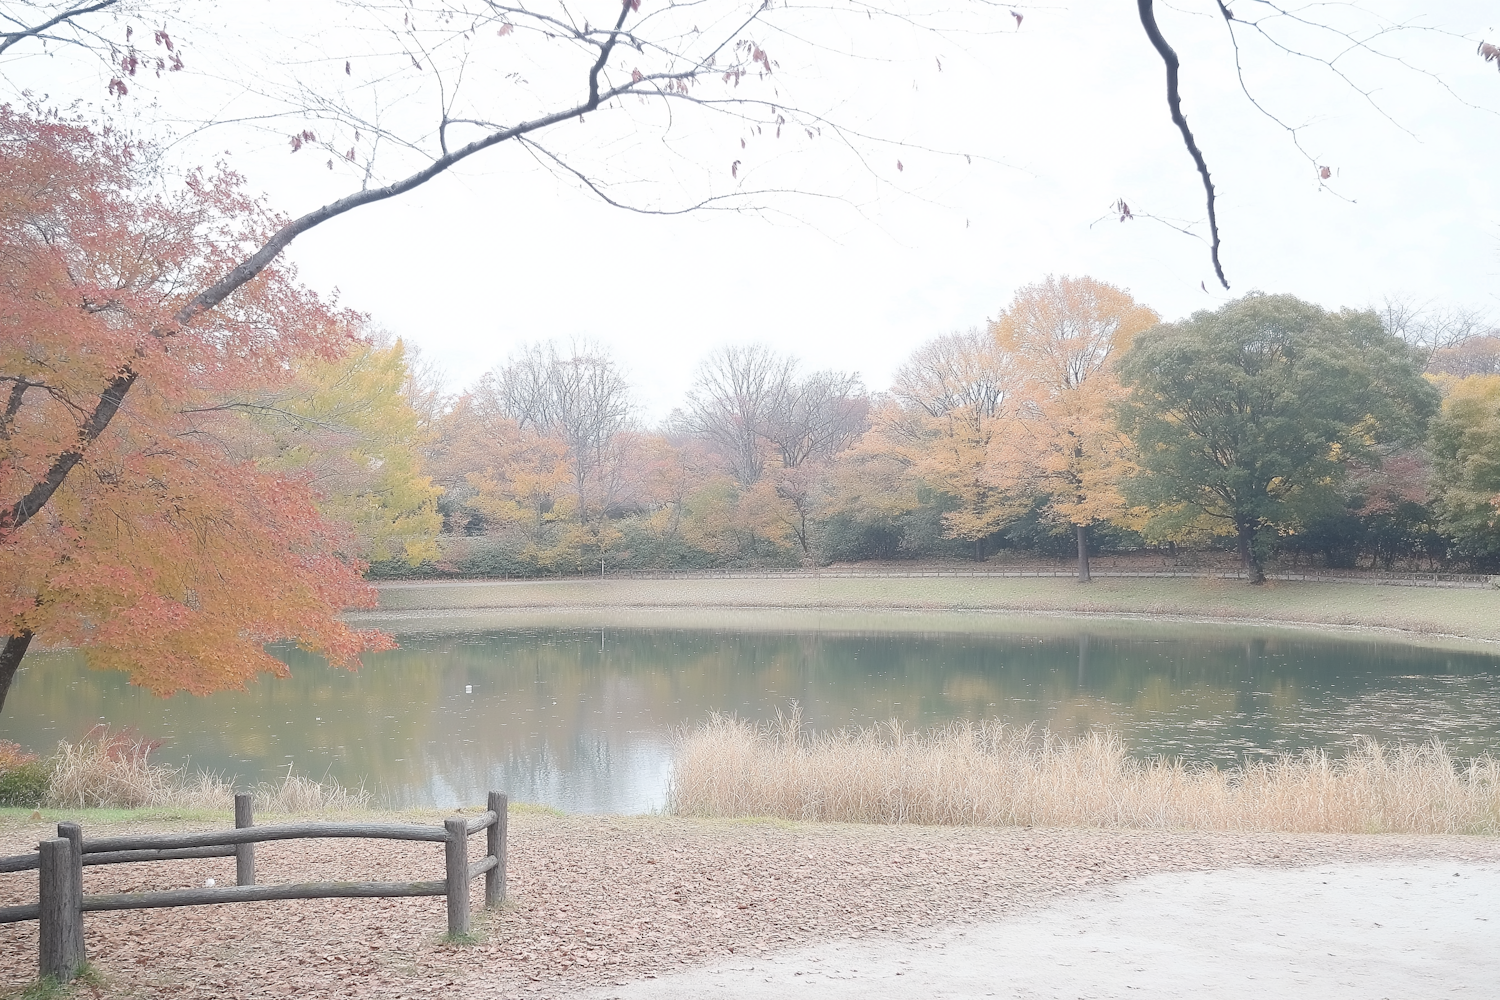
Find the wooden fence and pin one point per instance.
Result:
(1472, 581)
(61, 903)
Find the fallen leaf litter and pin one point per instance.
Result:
(598, 901)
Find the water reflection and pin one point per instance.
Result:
(581, 718)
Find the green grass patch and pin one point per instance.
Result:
(87, 982)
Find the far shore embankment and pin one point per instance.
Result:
(959, 601)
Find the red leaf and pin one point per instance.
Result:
(117, 87)
(505, 29)
(635, 76)
(899, 165)
(347, 70)
(1019, 18)
(1325, 173)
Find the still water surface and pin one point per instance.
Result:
(581, 717)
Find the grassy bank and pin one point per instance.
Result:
(991, 775)
(1468, 614)
(112, 770)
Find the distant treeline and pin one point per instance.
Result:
(1075, 422)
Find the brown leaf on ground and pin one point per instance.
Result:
(601, 900)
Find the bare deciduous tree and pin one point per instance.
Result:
(1429, 330)
(817, 417)
(957, 371)
(579, 395)
(731, 401)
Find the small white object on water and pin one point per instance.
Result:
(468, 689)
(208, 882)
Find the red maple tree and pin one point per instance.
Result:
(145, 532)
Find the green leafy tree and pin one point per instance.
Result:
(1239, 415)
(1466, 460)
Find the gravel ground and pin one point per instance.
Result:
(603, 901)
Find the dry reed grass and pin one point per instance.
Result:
(113, 769)
(987, 774)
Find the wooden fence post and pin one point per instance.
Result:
(456, 855)
(244, 854)
(494, 879)
(61, 919)
(73, 833)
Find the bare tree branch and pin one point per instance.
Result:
(1174, 102)
(9, 38)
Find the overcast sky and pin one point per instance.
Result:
(1060, 119)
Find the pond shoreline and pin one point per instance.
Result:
(1415, 614)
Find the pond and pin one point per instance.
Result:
(578, 711)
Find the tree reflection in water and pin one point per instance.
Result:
(581, 717)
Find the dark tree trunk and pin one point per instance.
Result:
(10, 660)
(1248, 559)
(1083, 552)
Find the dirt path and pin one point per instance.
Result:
(600, 901)
(1326, 932)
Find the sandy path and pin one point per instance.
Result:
(1321, 933)
(600, 901)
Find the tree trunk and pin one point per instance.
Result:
(10, 660)
(1248, 559)
(1083, 552)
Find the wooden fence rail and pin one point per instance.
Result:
(61, 903)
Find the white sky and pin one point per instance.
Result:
(1063, 117)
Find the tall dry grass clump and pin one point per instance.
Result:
(987, 774)
(112, 769)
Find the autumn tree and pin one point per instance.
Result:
(500, 477)
(872, 492)
(579, 396)
(140, 527)
(1065, 335)
(1466, 455)
(765, 418)
(1238, 414)
(955, 392)
(348, 428)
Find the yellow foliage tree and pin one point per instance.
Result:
(1061, 442)
(955, 392)
(735, 522)
(350, 428)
